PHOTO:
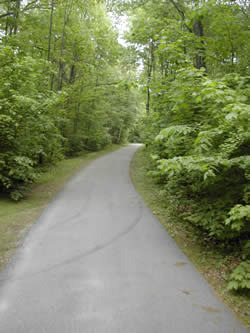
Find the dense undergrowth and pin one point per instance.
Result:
(67, 85)
(211, 257)
(196, 126)
(64, 86)
(199, 140)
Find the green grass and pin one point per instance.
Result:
(17, 217)
(213, 262)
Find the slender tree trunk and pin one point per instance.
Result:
(197, 30)
(7, 21)
(61, 66)
(77, 113)
(96, 83)
(200, 57)
(150, 70)
(119, 136)
(72, 74)
(166, 69)
(53, 75)
(50, 28)
(148, 100)
(76, 120)
(16, 16)
(93, 105)
(52, 82)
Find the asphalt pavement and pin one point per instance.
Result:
(98, 261)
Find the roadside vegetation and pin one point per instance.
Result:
(65, 86)
(213, 260)
(196, 82)
(181, 85)
(65, 97)
(195, 170)
(16, 218)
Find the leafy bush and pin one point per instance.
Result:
(240, 278)
(201, 154)
(28, 133)
(15, 172)
(239, 218)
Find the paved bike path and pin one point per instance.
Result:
(98, 261)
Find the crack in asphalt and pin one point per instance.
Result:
(82, 255)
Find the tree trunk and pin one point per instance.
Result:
(50, 28)
(76, 120)
(150, 69)
(61, 66)
(119, 136)
(77, 112)
(7, 20)
(16, 16)
(199, 58)
(72, 74)
(148, 100)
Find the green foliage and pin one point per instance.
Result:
(246, 250)
(15, 171)
(27, 131)
(64, 86)
(240, 278)
(196, 83)
(239, 218)
(201, 153)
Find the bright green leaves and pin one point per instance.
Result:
(239, 218)
(201, 153)
(226, 40)
(65, 87)
(15, 172)
(28, 134)
(173, 131)
(238, 113)
(204, 141)
(197, 128)
(7, 131)
(240, 278)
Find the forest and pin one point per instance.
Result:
(180, 85)
(65, 86)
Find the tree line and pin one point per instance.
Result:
(67, 85)
(64, 85)
(195, 78)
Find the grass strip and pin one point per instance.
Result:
(16, 218)
(210, 260)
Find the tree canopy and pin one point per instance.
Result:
(196, 85)
(64, 85)
(67, 85)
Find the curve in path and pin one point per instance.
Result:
(98, 261)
